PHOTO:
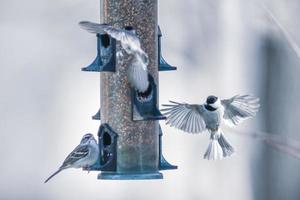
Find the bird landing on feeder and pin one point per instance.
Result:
(137, 70)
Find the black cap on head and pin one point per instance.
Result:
(211, 99)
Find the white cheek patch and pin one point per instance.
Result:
(217, 104)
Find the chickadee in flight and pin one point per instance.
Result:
(195, 118)
(83, 156)
(137, 71)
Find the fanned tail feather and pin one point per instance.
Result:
(218, 147)
(214, 151)
(227, 149)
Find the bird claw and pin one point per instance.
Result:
(87, 169)
(120, 54)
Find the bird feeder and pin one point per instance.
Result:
(106, 55)
(130, 137)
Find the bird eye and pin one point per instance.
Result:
(86, 138)
(128, 28)
(211, 99)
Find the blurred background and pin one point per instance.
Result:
(220, 47)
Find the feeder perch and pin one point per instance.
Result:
(163, 163)
(97, 116)
(107, 147)
(144, 104)
(163, 65)
(106, 55)
(107, 141)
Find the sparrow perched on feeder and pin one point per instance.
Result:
(83, 156)
(196, 118)
(137, 71)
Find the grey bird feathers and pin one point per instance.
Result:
(137, 70)
(83, 156)
(196, 118)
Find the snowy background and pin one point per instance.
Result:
(220, 47)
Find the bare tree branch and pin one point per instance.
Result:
(284, 148)
(287, 35)
(282, 143)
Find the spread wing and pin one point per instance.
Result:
(121, 35)
(78, 153)
(239, 108)
(186, 117)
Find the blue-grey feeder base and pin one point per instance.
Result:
(129, 176)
